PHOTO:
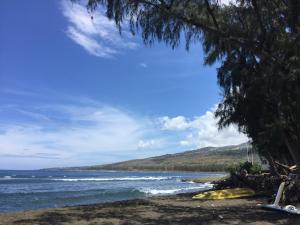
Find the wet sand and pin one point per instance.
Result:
(170, 210)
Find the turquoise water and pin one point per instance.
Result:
(28, 190)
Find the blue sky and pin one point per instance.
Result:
(73, 92)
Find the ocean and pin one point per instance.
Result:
(30, 190)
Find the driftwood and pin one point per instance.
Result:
(266, 184)
(286, 169)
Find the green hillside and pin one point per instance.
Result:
(204, 159)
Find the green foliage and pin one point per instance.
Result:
(255, 169)
(249, 167)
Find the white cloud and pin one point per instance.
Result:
(150, 144)
(185, 143)
(202, 131)
(89, 44)
(175, 123)
(94, 32)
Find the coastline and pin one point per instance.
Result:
(162, 210)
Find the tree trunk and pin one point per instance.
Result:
(294, 153)
(273, 168)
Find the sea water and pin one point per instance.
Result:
(28, 190)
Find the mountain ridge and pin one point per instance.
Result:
(203, 159)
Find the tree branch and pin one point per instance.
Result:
(211, 13)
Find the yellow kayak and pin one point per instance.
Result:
(225, 194)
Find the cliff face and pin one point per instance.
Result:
(204, 159)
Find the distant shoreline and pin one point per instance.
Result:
(136, 170)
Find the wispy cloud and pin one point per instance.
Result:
(19, 92)
(76, 128)
(72, 134)
(94, 32)
(144, 65)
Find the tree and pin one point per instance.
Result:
(258, 45)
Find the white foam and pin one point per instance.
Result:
(114, 179)
(161, 192)
(14, 178)
(176, 190)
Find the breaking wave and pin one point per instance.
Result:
(114, 179)
(176, 190)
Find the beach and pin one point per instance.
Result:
(163, 210)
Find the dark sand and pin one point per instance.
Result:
(171, 210)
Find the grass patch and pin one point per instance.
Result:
(209, 179)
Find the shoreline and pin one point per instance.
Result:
(133, 170)
(162, 210)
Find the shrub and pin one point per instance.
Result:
(249, 167)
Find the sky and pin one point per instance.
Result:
(73, 92)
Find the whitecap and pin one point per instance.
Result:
(114, 179)
(176, 190)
